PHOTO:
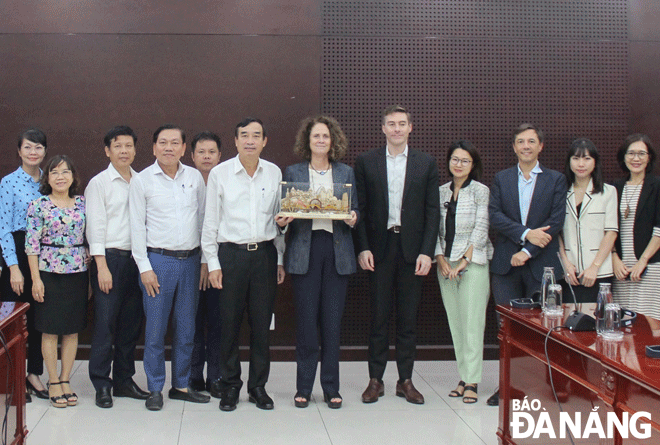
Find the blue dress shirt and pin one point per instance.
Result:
(17, 190)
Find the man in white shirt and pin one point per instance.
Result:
(205, 153)
(245, 248)
(115, 277)
(166, 203)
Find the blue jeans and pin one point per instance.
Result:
(179, 290)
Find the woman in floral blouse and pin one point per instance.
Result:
(56, 253)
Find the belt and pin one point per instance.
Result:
(120, 252)
(180, 254)
(250, 247)
(394, 229)
(61, 246)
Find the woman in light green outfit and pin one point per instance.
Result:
(462, 253)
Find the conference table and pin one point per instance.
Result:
(595, 381)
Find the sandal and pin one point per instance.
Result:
(72, 397)
(456, 392)
(301, 403)
(470, 399)
(327, 398)
(57, 401)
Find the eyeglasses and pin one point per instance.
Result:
(463, 162)
(639, 154)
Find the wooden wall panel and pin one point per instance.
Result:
(243, 17)
(77, 87)
(643, 19)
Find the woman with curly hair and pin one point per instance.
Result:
(320, 258)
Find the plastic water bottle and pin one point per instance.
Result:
(546, 282)
(604, 297)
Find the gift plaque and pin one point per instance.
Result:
(301, 200)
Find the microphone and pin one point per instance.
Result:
(577, 321)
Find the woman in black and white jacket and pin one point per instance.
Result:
(591, 224)
(462, 252)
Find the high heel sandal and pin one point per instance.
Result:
(301, 403)
(57, 401)
(72, 397)
(43, 394)
(327, 398)
(471, 399)
(456, 392)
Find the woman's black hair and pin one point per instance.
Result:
(582, 147)
(477, 168)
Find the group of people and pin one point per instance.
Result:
(207, 244)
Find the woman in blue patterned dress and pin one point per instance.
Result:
(56, 254)
(17, 190)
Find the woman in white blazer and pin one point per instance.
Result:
(462, 252)
(591, 225)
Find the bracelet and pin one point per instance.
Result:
(466, 259)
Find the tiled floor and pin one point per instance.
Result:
(441, 420)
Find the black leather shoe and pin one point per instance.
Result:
(28, 398)
(188, 396)
(43, 394)
(259, 396)
(229, 399)
(494, 400)
(214, 388)
(197, 384)
(155, 401)
(103, 398)
(130, 389)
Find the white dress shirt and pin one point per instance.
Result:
(396, 178)
(108, 224)
(241, 209)
(165, 213)
(316, 181)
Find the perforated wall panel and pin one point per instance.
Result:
(474, 70)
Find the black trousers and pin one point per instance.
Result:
(393, 283)
(35, 361)
(583, 294)
(117, 323)
(206, 347)
(320, 297)
(249, 282)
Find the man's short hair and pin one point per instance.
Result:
(205, 136)
(169, 127)
(526, 126)
(395, 109)
(120, 130)
(247, 121)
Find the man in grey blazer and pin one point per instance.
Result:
(396, 236)
(527, 210)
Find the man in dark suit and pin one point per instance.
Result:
(527, 210)
(399, 203)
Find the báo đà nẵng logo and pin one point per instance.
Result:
(580, 425)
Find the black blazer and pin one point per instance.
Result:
(548, 208)
(420, 207)
(647, 215)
